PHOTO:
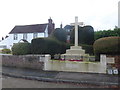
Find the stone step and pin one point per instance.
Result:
(74, 51)
(75, 56)
(75, 47)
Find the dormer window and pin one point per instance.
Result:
(15, 37)
(25, 36)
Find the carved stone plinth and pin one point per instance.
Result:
(75, 53)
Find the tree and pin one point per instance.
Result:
(59, 34)
(107, 33)
(88, 35)
(85, 35)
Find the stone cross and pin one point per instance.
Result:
(76, 31)
(119, 14)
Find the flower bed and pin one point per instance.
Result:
(71, 60)
(76, 60)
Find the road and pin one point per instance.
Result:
(10, 82)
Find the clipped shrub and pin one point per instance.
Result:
(38, 46)
(6, 51)
(88, 48)
(52, 46)
(47, 46)
(107, 45)
(59, 34)
(85, 35)
(21, 48)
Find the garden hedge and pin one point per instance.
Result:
(107, 45)
(85, 35)
(59, 34)
(88, 49)
(47, 46)
(21, 48)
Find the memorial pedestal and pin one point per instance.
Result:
(75, 53)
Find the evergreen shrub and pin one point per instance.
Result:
(21, 48)
(107, 45)
(88, 48)
(47, 46)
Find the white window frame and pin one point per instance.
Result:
(35, 35)
(15, 37)
(25, 36)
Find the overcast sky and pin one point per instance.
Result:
(101, 14)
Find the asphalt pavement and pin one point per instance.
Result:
(56, 76)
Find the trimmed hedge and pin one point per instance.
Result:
(107, 45)
(6, 51)
(59, 34)
(85, 35)
(21, 48)
(47, 46)
(88, 48)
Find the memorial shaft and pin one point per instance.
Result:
(76, 31)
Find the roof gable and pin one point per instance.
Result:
(29, 28)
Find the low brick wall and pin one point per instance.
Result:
(24, 61)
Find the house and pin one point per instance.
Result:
(68, 29)
(27, 33)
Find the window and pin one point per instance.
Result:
(35, 35)
(15, 37)
(3, 46)
(25, 36)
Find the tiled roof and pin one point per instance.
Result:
(68, 27)
(29, 28)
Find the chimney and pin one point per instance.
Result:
(61, 25)
(51, 25)
(50, 21)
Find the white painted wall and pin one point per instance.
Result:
(46, 32)
(92, 67)
(72, 66)
(8, 42)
